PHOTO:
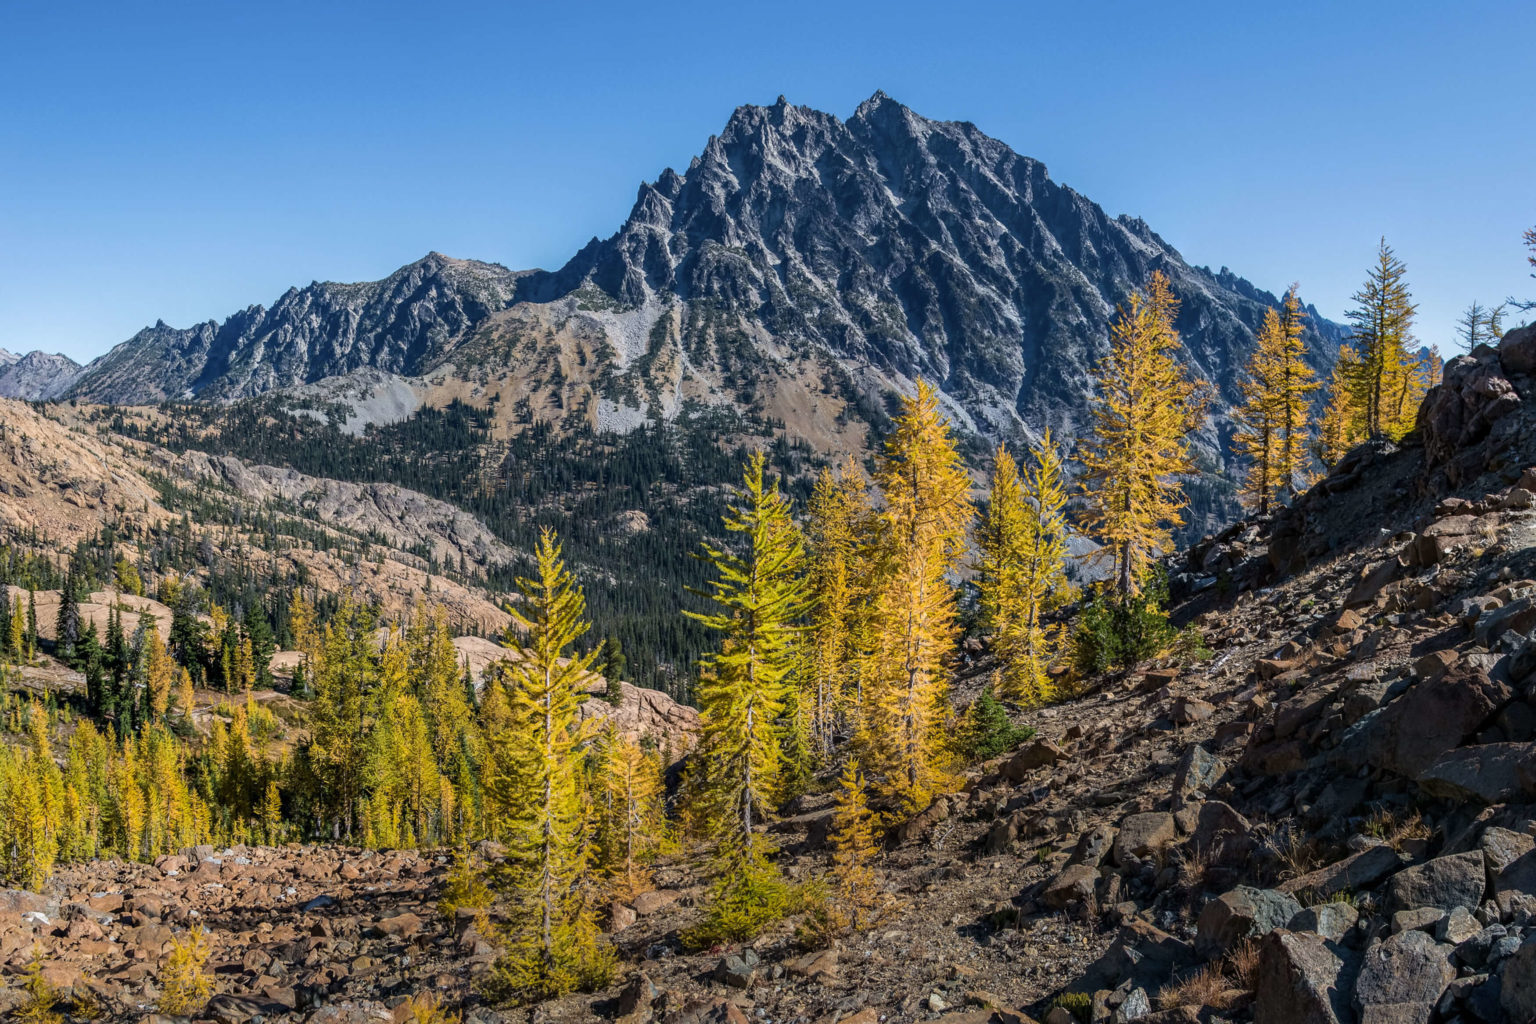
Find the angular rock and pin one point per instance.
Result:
(1144, 834)
(1094, 845)
(1037, 755)
(1333, 921)
(1518, 996)
(1356, 872)
(1301, 979)
(1434, 716)
(1487, 773)
(1457, 880)
(1402, 978)
(1243, 913)
(1074, 883)
(1199, 771)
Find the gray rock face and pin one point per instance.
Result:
(1433, 717)
(1444, 883)
(1241, 914)
(402, 324)
(37, 376)
(1301, 979)
(1402, 979)
(1518, 996)
(1333, 921)
(917, 247)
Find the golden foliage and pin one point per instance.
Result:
(184, 981)
(1144, 411)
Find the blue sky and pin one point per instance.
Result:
(181, 161)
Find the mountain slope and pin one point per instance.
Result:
(907, 246)
(400, 324)
(36, 376)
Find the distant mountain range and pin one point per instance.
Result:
(800, 260)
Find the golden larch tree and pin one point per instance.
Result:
(759, 596)
(1272, 420)
(922, 535)
(536, 783)
(1384, 378)
(1144, 411)
(1023, 570)
(854, 847)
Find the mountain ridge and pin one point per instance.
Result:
(880, 248)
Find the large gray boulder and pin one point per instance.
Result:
(1445, 883)
(1434, 716)
(1402, 978)
(1241, 914)
(1301, 979)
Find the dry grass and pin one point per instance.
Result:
(1394, 831)
(1242, 964)
(1298, 856)
(1205, 987)
(1217, 986)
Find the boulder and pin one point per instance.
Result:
(1094, 845)
(1487, 773)
(1037, 755)
(1301, 979)
(1142, 835)
(1460, 411)
(1357, 871)
(1518, 996)
(1333, 921)
(1445, 883)
(1513, 883)
(1517, 350)
(1243, 913)
(1198, 771)
(1402, 978)
(1074, 883)
(1432, 717)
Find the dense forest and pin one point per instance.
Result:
(638, 572)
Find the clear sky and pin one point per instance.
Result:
(182, 161)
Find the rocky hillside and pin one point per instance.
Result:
(402, 324)
(63, 481)
(1328, 818)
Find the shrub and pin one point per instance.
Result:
(41, 998)
(1114, 633)
(986, 731)
(1078, 1004)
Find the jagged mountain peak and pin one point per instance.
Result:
(398, 324)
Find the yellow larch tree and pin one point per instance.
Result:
(632, 814)
(1384, 379)
(536, 783)
(1272, 421)
(759, 596)
(854, 847)
(837, 515)
(922, 535)
(1144, 411)
(1023, 570)
(1342, 426)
